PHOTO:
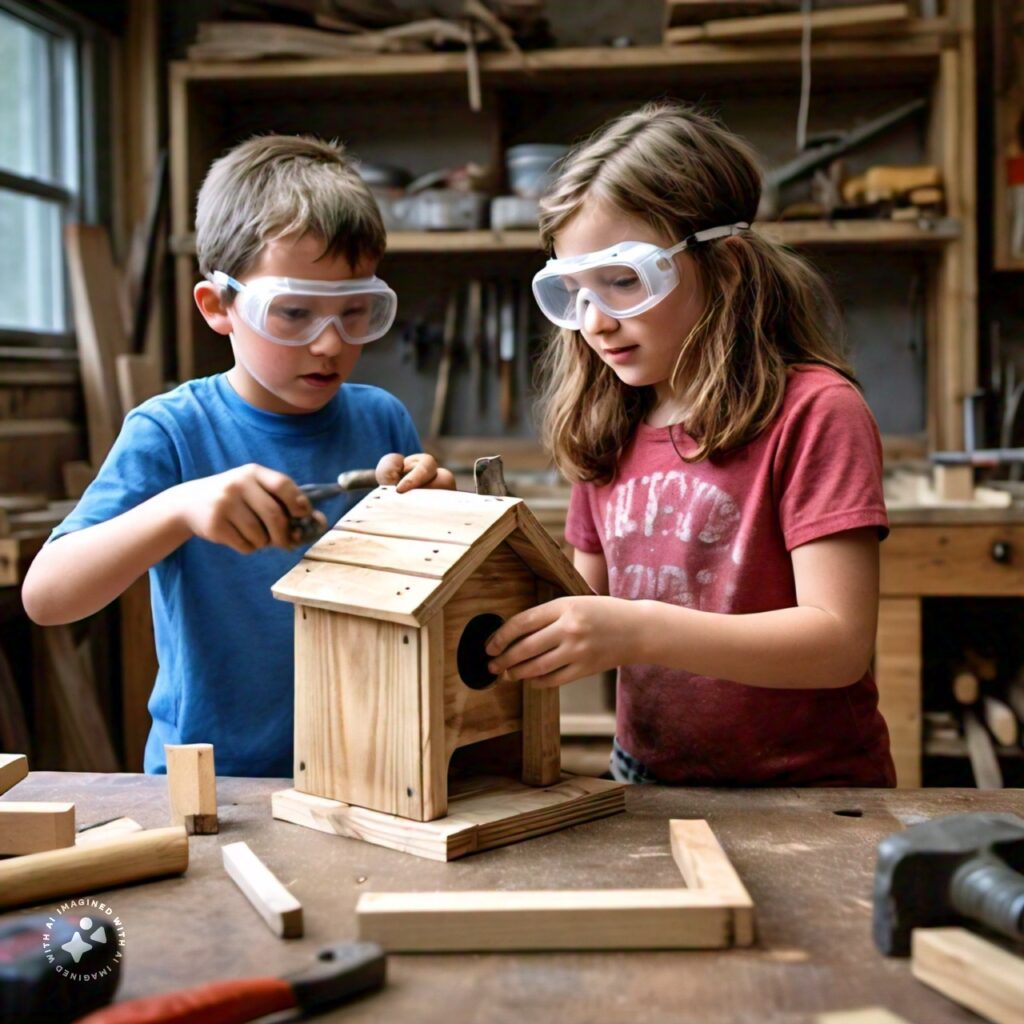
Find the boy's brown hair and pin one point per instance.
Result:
(275, 185)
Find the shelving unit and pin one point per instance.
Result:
(928, 55)
(387, 106)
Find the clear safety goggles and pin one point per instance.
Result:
(623, 280)
(290, 311)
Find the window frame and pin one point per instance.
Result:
(76, 84)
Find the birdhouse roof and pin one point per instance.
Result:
(400, 557)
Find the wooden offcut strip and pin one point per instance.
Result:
(192, 787)
(701, 917)
(107, 831)
(840, 20)
(505, 812)
(13, 768)
(866, 1015)
(273, 902)
(971, 971)
(31, 827)
(58, 873)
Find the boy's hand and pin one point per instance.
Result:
(409, 471)
(566, 639)
(246, 509)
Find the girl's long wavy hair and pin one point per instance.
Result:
(681, 171)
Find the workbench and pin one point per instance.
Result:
(806, 857)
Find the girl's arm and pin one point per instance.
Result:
(825, 642)
(593, 568)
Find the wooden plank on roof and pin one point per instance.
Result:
(349, 588)
(394, 554)
(450, 516)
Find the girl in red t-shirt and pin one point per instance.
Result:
(727, 475)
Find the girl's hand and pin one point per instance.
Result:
(566, 639)
(246, 509)
(410, 471)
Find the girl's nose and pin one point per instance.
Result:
(596, 321)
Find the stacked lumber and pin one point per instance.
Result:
(987, 717)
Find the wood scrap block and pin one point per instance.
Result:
(192, 787)
(13, 768)
(273, 902)
(970, 970)
(35, 877)
(107, 830)
(953, 483)
(31, 827)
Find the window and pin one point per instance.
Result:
(40, 170)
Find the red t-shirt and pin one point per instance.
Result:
(716, 536)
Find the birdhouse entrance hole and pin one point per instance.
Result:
(471, 657)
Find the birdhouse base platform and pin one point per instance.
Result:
(484, 812)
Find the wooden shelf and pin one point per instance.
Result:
(911, 54)
(848, 234)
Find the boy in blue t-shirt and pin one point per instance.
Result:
(201, 483)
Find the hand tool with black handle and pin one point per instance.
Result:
(340, 973)
(307, 528)
(960, 869)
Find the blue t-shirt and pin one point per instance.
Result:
(224, 644)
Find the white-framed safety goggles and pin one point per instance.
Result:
(623, 280)
(292, 311)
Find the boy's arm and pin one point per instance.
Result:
(79, 573)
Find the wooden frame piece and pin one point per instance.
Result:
(971, 971)
(273, 902)
(192, 787)
(13, 768)
(714, 911)
(33, 827)
(488, 813)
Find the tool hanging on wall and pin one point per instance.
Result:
(444, 369)
(507, 353)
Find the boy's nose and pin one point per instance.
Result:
(328, 342)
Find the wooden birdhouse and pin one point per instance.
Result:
(393, 608)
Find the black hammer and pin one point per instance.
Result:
(953, 870)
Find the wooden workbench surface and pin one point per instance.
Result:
(808, 869)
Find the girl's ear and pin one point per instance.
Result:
(215, 313)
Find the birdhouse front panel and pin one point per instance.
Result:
(358, 722)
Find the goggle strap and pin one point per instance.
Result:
(222, 280)
(708, 235)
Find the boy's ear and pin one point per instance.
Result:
(215, 313)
